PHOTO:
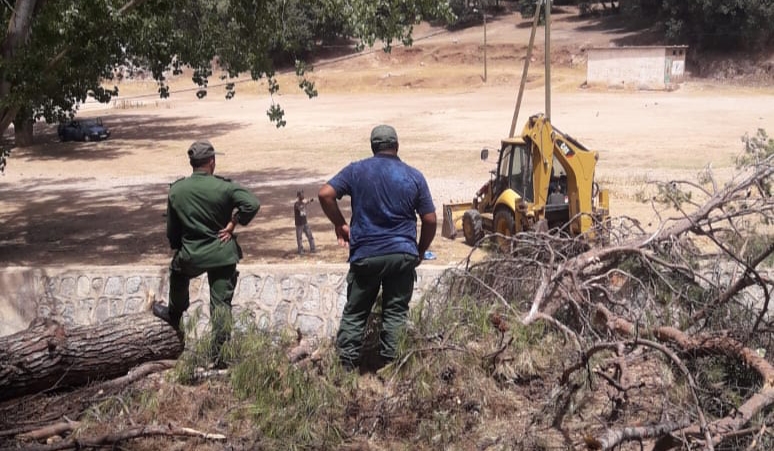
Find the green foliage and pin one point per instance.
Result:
(198, 351)
(304, 84)
(671, 194)
(760, 243)
(276, 114)
(752, 240)
(640, 8)
(391, 20)
(466, 13)
(757, 149)
(72, 48)
(710, 24)
(263, 377)
(527, 9)
(147, 401)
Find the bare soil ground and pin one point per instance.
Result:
(103, 203)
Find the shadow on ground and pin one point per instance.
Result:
(62, 222)
(123, 128)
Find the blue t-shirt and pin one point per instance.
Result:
(386, 196)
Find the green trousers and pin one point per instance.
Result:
(395, 274)
(222, 282)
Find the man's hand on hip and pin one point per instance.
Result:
(225, 234)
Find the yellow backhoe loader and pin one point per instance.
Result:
(544, 179)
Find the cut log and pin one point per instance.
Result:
(49, 356)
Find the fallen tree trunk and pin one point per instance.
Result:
(50, 356)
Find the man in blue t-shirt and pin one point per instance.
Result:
(386, 197)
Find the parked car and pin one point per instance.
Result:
(83, 130)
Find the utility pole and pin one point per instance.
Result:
(483, 10)
(535, 21)
(548, 59)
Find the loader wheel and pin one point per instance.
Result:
(472, 227)
(505, 227)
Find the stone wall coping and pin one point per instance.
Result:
(307, 297)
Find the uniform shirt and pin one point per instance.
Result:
(197, 208)
(386, 196)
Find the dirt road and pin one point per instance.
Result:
(103, 203)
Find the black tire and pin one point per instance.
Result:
(472, 227)
(86, 138)
(505, 227)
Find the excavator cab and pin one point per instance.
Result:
(515, 170)
(501, 204)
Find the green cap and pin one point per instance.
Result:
(201, 150)
(383, 137)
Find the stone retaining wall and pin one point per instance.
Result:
(309, 298)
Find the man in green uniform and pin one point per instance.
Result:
(202, 213)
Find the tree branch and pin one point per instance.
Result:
(113, 438)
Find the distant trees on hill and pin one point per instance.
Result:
(723, 25)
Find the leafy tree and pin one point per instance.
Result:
(715, 24)
(57, 53)
(60, 62)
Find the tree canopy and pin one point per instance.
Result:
(705, 24)
(710, 24)
(57, 53)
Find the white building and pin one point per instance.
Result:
(643, 67)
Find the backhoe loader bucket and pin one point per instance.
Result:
(452, 218)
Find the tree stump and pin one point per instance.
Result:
(50, 356)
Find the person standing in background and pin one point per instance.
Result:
(302, 226)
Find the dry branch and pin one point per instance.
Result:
(614, 437)
(670, 278)
(71, 404)
(722, 345)
(731, 193)
(113, 438)
(135, 375)
(52, 429)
